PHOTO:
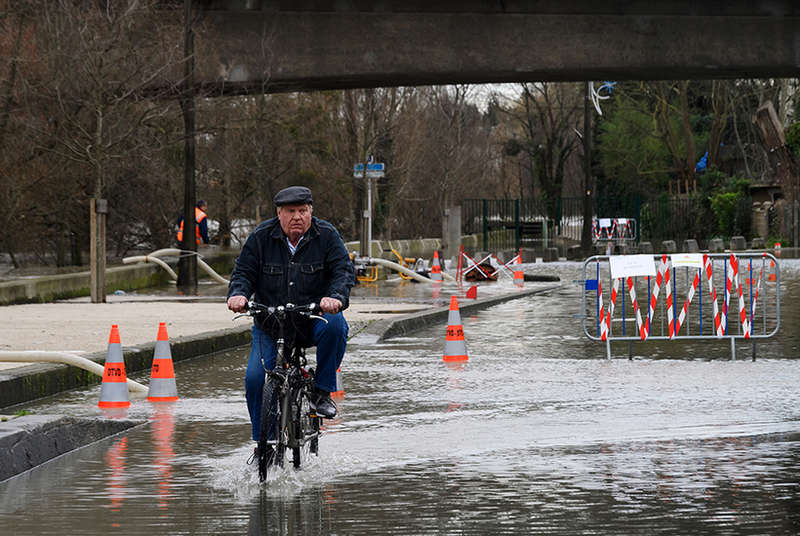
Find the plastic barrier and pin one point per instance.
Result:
(754, 312)
(616, 229)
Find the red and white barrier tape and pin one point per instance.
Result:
(685, 308)
(663, 276)
(632, 293)
(755, 298)
(718, 328)
(654, 296)
(738, 287)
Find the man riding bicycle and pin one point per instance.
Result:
(294, 258)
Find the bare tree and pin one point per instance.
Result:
(548, 116)
(98, 60)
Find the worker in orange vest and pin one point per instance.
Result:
(201, 229)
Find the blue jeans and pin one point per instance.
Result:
(331, 342)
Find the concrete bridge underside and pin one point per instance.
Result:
(271, 46)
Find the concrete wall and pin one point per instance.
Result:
(126, 277)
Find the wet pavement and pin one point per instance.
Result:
(536, 434)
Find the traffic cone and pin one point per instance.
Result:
(772, 276)
(114, 391)
(519, 275)
(436, 269)
(339, 392)
(162, 373)
(455, 349)
(472, 292)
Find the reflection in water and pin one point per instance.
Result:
(117, 479)
(436, 293)
(454, 384)
(305, 514)
(163, 429)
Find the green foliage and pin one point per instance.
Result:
(631, 155)
(793, 138)
(724, 207)
(731, 207)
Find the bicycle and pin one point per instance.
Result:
(288, 418)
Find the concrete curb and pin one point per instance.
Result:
(32, 440)
(28, 383)
(416, 321)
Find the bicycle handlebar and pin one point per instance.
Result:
(254, 308)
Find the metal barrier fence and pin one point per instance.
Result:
(618, 230)
(689, 296)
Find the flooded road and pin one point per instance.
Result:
(536, 434)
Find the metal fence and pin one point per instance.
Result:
(507, 223)
(515, 223)
(732, 297)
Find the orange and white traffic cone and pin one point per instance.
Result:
(114, 391)
(772, 276)
(162, 373)
(339, 392)
(519, 275)
(436, 268)
(455, 349)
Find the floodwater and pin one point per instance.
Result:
(536, 434)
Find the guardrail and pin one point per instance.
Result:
(749, 309)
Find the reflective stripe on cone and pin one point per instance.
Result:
(162, 373)
(436, 269)
(114, 391)
(455, 348)
(339, 392)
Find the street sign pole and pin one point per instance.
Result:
(374, 171)
(369, 215)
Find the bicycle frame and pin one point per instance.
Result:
(290, 383)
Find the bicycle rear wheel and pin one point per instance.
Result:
(269, 430)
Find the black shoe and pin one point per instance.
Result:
(322, 404)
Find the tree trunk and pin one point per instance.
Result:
(98, 212)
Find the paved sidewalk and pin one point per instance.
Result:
(80, 326)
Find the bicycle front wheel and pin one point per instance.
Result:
(269, 429)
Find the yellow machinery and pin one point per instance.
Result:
(367, 271)
(405, 262)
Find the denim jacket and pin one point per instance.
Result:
(320, 267)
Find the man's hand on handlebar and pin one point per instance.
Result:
(237, 304)
(330, 305)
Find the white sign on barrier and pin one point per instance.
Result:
(690, 260)
(604, 222)
(631, 265)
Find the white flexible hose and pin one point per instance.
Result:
(174, 252)
(403, 269)
(36, 356)
(150, 258)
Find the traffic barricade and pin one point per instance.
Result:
(700, 296)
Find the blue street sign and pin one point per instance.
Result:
(370, 167)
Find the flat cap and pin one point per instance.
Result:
(293, 195)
